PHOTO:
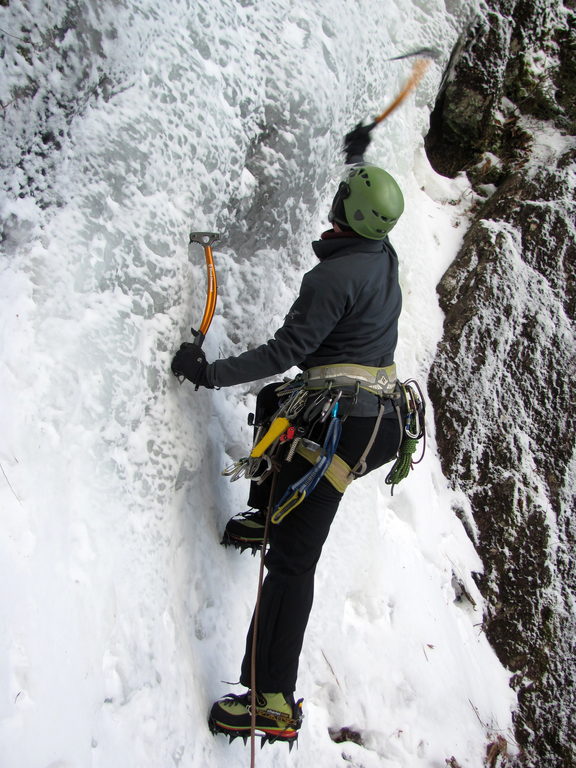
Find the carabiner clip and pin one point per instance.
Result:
(413, 418)
(330, 404)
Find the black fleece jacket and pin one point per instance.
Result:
(346, 312)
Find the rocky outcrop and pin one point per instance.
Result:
(503, 377)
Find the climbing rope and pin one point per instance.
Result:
(413, 430)
(403, 463)
(256, 617)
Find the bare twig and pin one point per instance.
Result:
(332, 670)
(477, 714)
(18, 499)
(5, 106)
(428, 645)
(28, 42)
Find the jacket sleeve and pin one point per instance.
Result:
(318, 308)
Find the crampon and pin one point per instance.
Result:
(245, 531)
(277, 719)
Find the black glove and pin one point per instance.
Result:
(190, 362)
(356, 142)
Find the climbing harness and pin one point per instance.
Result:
(309, 421)
(378, 381)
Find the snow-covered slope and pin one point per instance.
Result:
(125, 126)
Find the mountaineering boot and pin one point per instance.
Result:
(245, 531)
(278, 717)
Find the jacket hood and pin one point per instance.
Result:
(332, 242)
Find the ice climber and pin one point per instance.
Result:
(341, 332)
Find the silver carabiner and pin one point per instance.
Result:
(237, 470)
(413, 403)
(295, 404)
(255, 464)
(330, 403)
(413, 417)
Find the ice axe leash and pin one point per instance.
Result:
(206, 240)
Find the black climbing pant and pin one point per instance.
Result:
(295, 548)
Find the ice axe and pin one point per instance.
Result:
(424, 57)
(206, 240)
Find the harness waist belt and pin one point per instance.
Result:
(379, 381)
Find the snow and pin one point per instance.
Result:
(121, 614)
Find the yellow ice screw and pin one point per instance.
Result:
(277, 428)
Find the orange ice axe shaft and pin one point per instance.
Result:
(418, 72)
(207, 240)
(425, 55)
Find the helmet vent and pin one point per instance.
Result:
(358, 215)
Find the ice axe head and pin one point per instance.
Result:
(207, 239)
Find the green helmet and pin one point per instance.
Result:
(370, 202)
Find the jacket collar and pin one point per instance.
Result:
(332, 242)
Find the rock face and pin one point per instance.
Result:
(503, 378)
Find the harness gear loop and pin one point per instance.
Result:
(360, 467)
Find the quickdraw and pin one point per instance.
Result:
(281, 430)
(297, 492)
(303, 414)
